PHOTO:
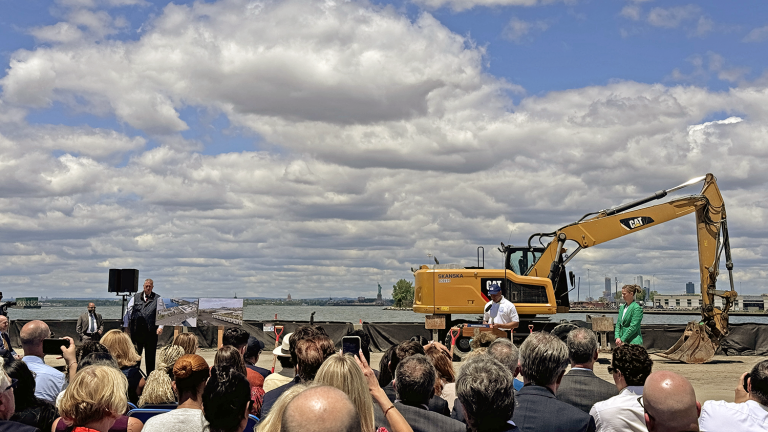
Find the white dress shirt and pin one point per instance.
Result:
(620, 413)
(743, 417)
(503, 312)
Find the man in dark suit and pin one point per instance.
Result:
(543, 360)
(6, 350)
(580, 387)
(90, 326)
(403, 351)
(486, 394)
(414, 385)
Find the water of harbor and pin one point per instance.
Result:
(342, 314)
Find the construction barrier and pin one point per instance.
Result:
(744, 339)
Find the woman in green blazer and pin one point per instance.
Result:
(630, 316)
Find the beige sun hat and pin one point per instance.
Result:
(284, 350)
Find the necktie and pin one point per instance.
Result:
(92, 327)
(5, 344)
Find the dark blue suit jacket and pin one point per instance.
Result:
(539, 411)
(12, 426)
(272, 396)
(3, 351)
(420, 419)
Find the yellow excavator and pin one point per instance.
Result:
(534, 276)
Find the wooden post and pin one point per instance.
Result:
(175, 331)
(221, 337)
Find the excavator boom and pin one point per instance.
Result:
(701, 339)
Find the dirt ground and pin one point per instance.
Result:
(715, 380)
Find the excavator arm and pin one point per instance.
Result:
(701, 339)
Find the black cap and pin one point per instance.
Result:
(254, 347)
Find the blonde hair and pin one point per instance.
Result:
(188, 341)
(159, 387)
(120, 346)
(341, 371)
(95, 392)
(634, 289)
(274, 420)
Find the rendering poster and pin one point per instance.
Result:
(220, 312)
(177, 312)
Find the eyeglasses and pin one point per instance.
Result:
(611, 369)
(14, 384)
(640, 401)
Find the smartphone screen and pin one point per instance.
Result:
(350, 345)
(53, 346)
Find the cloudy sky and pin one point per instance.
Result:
(320, 147)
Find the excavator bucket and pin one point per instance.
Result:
(695, 346)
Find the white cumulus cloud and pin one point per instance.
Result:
(378, 140)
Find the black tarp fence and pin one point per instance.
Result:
(744, 339)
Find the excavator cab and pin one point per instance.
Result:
(521, 260)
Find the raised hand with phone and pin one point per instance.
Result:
(396, 420)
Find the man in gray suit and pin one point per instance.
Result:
(543, 360)
(414, 385)
(581, 387)
(90, 326)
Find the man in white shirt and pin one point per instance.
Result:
(500, 313)
(630, 367)
(748, 413)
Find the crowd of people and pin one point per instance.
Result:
(416, 388)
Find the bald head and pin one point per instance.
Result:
(321, 409)
(670, 403)
(33, 333)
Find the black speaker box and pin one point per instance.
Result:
(123, 280)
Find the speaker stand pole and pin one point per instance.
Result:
(125, 297)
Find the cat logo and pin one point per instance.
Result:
(635, 222)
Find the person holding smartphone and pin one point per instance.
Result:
(48, 381)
